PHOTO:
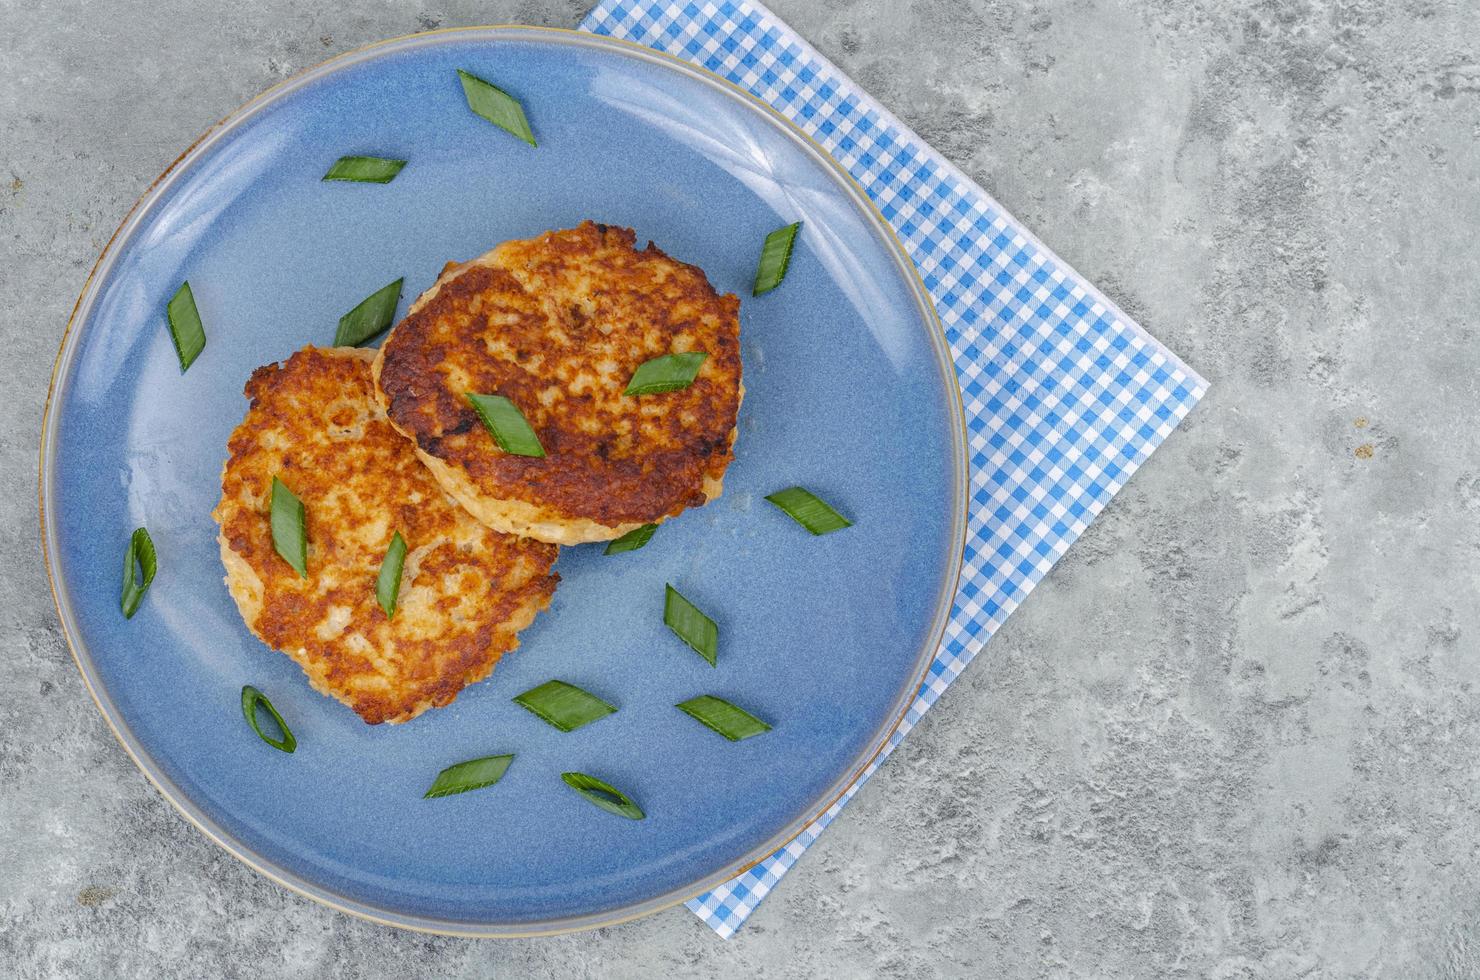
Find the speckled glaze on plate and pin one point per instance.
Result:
(849, 392)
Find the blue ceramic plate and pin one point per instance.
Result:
(850, 393)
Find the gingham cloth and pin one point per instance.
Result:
(1065, 395)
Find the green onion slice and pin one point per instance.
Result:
(671, 372)
(289, 527)
(507, 425)
(252, 699)
(186, 330)
(603, 794)
(388, 584)
(375, 313)
(365, 170)
(809, 510)
(692, 626)
(139, 566)
(496, 105)
(732, 722)
(632, 540)
(775, 257)
(470, 775)
(563, 705)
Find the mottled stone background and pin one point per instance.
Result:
(1234, 734)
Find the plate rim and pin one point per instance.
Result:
(316, 891)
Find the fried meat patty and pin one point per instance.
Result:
(466, 590)
(557, 324)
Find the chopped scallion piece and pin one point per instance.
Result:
(775, 257)
(289, 527)
(139, 566)
(671, 372)
(730, 721)
(692, 626)
(470, 775)
(388, 584)
(365, 170)
(186, 331)
(497, 106)
(507, 425)
(603, 794)
(563, 705)
(252, 699)
(809, 510)
(375, 313)
(632, 540)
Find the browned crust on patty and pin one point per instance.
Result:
(557, 324)
(466, 590)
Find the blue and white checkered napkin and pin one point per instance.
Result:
(1065, 395)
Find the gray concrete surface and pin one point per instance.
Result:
(1235, 734)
